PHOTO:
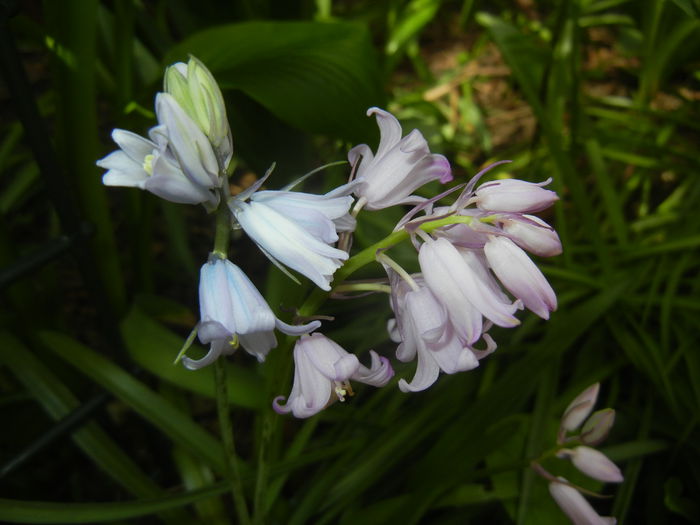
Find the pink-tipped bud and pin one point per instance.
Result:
(579, 408)
(513, 195)
(595, 464)
(598, 426)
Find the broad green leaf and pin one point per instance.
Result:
(316, 76)
(154, 347)
(59, 401)
(18, 511)
(175, 424)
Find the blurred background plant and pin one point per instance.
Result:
(99, 288)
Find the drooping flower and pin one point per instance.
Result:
(399, 167)
(194, 88)
(514, 195)
(233, 312)
(296, 229)
(575, 506)
(462, 283)
(520, 275)
(150, 165)
(424, 330)
(532, 234)
(322, 373)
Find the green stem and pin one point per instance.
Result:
(226, 429)
(369, 254)
(222, 237)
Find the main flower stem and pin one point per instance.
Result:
(221, 242)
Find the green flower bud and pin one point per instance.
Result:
(194, 88)
(597, 427)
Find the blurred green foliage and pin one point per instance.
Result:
(600, 95)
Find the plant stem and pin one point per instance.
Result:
(221, 242)
(226, 429)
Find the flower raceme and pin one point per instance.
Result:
(233, 312)
(322, 374)
(441, 313)
(398, 168)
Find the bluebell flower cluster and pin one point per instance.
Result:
(471, 254)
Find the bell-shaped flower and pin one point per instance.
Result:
(579, 409)
(514, 195)
(460, 281)
(189, 145)
(399, 167)
(233, 312)
(322, 374)
(193, 87)
(532, 234)
(425, 331)
(575, 506)
(593, 463)
(296, 229)
(520, 275)
(150, 165)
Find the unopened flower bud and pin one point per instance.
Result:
(579, 408)
(513, 195)
(575, 506)
(195, 89)
(597, 427)
(533, 234)
(594, 463)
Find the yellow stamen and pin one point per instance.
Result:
(148, 164)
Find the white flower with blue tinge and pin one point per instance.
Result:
(188, 144)
(399, 167)
(233, 312)
(150, 165)
(296, 229)
(322, 374)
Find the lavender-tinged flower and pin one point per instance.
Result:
(322, 373)
(463, 285)
(520, 275)
(150, 165)
(532, 234)
(296, 229)
(593, 463)
(513, 195)
(579, 409)
(424, 330)
(400, 166)
(195, 90)
(232, 311)
(575, 506)
(188, 143)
